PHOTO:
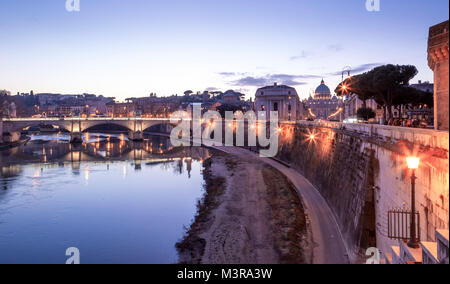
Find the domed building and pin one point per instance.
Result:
(324, 105)
(322, 92)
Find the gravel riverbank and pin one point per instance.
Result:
(250, 214)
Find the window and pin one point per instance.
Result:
(289, 108)
(263, 108)
(275, 107)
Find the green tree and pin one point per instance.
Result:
(366, 114)
(361, 85)
(389, 86)
(227, 107)
(409, 97)
(4, 93)
(389, 82)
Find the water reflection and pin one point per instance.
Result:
(95, 147)
(117, 201)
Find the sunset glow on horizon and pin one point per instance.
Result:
(167, 47)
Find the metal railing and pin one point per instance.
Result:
(399, 224)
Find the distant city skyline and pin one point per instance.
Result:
(131, 49)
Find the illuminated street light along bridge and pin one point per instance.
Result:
(76, 126)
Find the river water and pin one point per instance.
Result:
(114, 200)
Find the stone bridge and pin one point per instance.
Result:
(76, 126)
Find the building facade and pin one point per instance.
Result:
(122, 110)
(279, 98)
(324, 105)
(9, 109)
(424, 86)
(438, 61)
(231, 97)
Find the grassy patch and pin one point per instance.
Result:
(231, 164)
(288, 217)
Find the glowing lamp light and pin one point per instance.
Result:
(312, 137)
(413, 162)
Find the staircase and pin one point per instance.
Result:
(436, 253)
(428, 253)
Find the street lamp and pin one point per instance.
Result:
(347, 70)
(413, 164)
(344, 87)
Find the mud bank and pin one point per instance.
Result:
(250, 214)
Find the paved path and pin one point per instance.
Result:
(329, 245)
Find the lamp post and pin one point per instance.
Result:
(413, 164)
(343, 74)
(347, 70)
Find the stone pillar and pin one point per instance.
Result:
(76, 138)
(438, 49)
(11, 137)
(136, 135)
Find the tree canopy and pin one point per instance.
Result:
(360, 85)
(228, 107)
(4, 93)
(388, 85)
(366, 113)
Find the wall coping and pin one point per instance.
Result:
(417, 136)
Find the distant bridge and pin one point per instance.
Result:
(135, 125)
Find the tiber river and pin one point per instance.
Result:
(115, 200)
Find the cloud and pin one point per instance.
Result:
(231, 74)
(301, 56)
(365, 67)
(242, 90)
(244, 79)
(269, 79)
(291, 77)
(250, 81)
(359, 69)
(293, 83)
(211, 89)
(227, 74)
(335, 47)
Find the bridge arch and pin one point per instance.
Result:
(106, 126)
(161, 127)
(131, 124)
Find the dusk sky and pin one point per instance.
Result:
(132, 48)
